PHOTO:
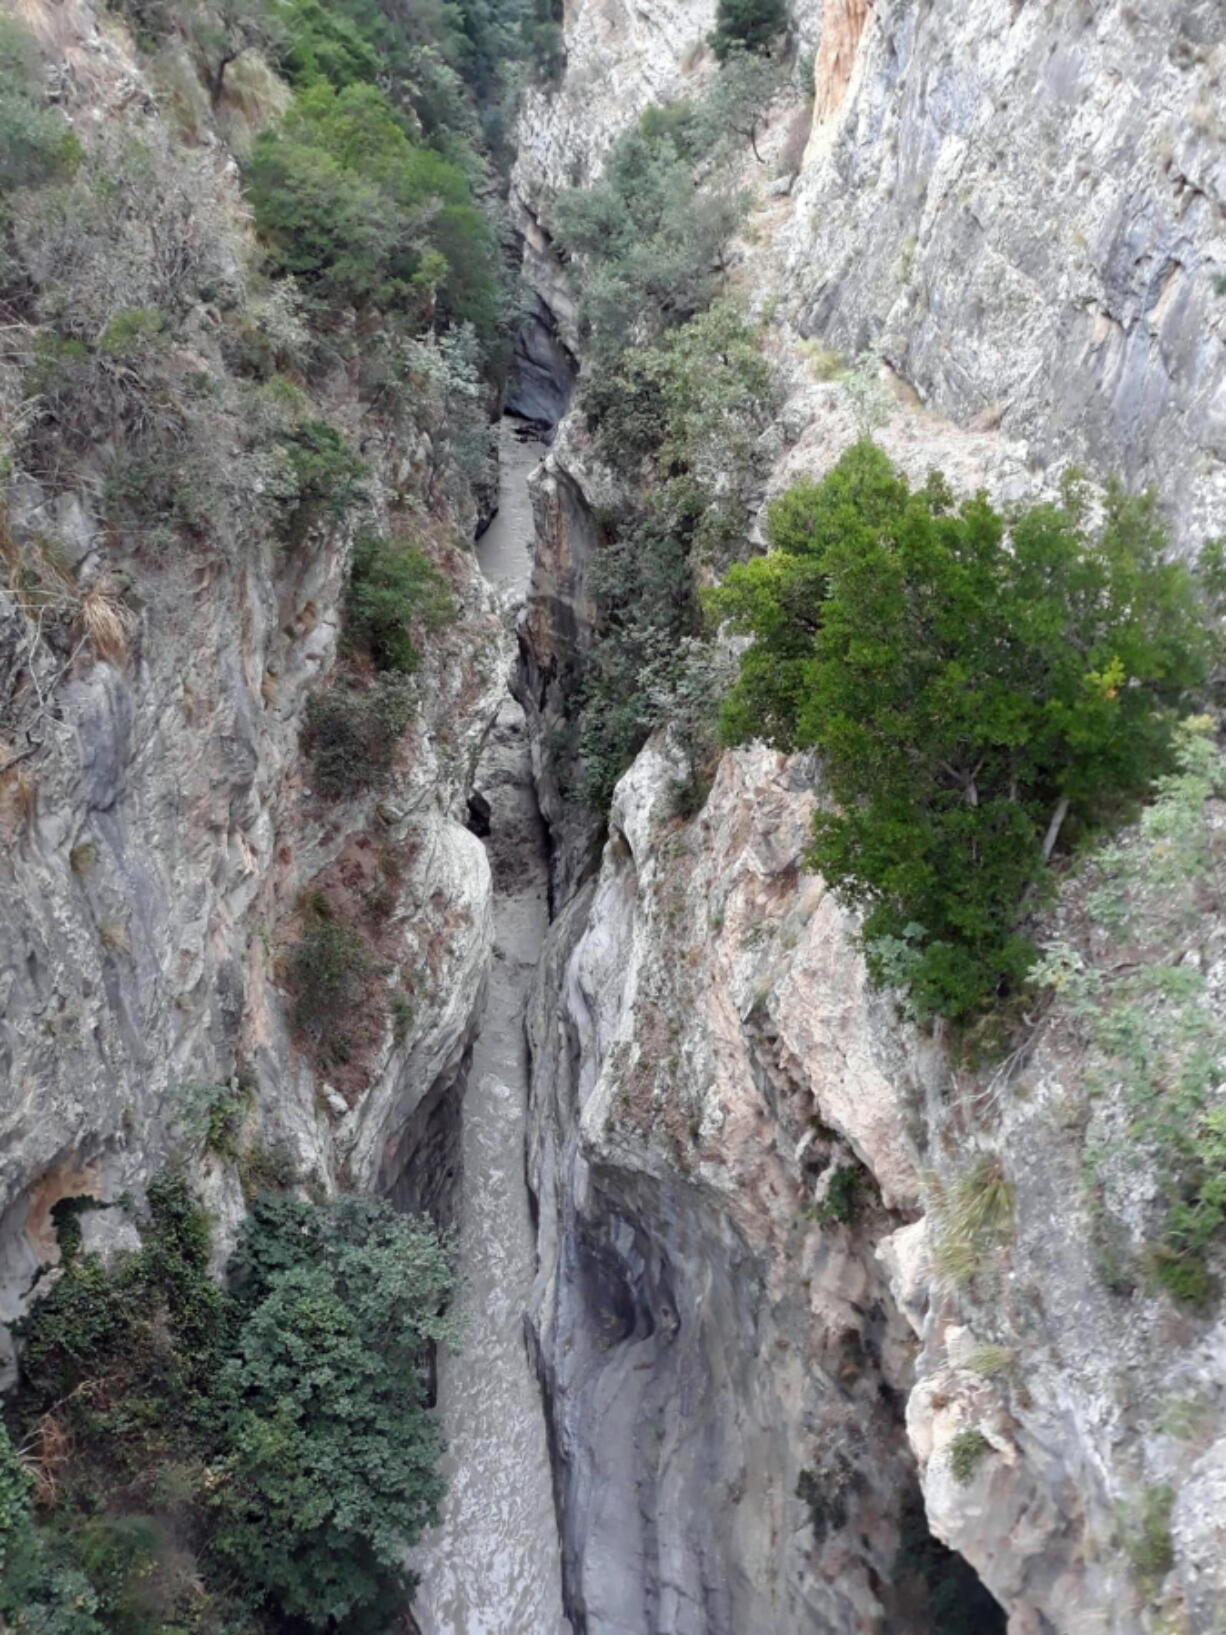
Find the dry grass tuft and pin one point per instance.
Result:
(47, 1457)
(113, 937)
(18, 791)
(973, 1216)
(107, 623)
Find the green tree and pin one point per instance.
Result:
(360, 213)
(980, 689)
(40, 1594)
(687, 416)
(333, 1463)
(393, 586)
(650, 235)
(750, 25)
(228, 1461)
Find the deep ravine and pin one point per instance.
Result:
(494, 1565)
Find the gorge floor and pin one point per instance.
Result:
(493, 1565)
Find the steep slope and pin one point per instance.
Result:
(166, 835)
(1016, 214)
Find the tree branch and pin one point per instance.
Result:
(1053, 828)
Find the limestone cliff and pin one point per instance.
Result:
(160, 823)
(1016, 214)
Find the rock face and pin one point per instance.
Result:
(1020, 209)
(1017, 213)
(160, 827)
(1023, 209)
(725, 1376)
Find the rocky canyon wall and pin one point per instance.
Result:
(1016, 215)
(162, 828)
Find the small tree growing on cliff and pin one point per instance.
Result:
(752, 25)
(980, 688)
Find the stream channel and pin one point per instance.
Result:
(493, 1567)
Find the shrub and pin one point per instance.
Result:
(326, 478)
(1148, 1541)
(979, 689)
(748, 25)
(267, 1166)
(842, 1201)
(214, 1114)
(37, 145)
(229, 1462)
(40, 1592)
(361, 216)
(328, 969)
(966, 1449)
(972, 1217)
(694, 406)
(1154, 1022)
(393, 586)
(333, 1464)
(352, 732)
(650, 235)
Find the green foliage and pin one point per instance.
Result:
(328, 969)
(748, 25)
(267, 1166)
(393, 588)
(326, 478)
(696, 403)
(333, 1465)
(650, 235)
(214, 1114)
(40, 1594)
(352, 732)
(978, 687)
(966, 1449)
(37, 146)
(363, 216)
(325, 43)
(1147, 1536)
(1154, 1022)
(843, 1197)
(687, 416)
(229, 1462)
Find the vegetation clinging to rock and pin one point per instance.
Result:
(393, 586)
(1154, 1023)
(747, 25)
(227, 1461)
(981, 689)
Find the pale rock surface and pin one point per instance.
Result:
(1015, 214)
(705, 1050)
(156, 846)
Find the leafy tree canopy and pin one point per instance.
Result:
(363, 215)
(651, 235)
(980, 688)
(748, 25)
(228, 1461)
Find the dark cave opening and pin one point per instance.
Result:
(941, 1590)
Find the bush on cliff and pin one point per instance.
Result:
(747, 25)
(650, 234)
(980, 688)
(685, 417)
(363, 216)
(36, 144)
(393, 588)
(352, 731)
(227, 1462)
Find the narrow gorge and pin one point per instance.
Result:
(475, 1157)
